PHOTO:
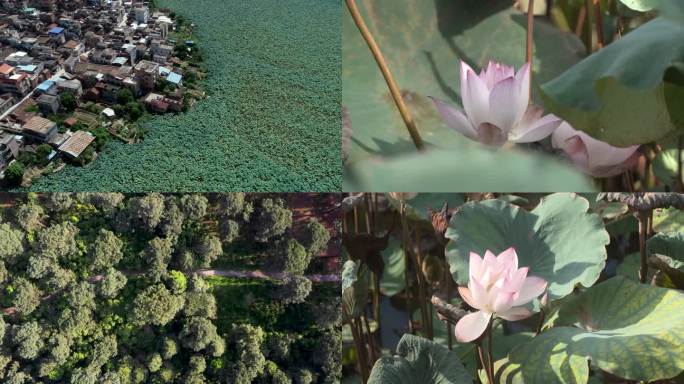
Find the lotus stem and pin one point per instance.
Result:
(450, 337)
(680, 147)
(598, 20)
(642, 216)
(404, 241)
(589, 38)
(480, 353)
(427, 324)
(529, 54)
(389, 79)
(490, 352)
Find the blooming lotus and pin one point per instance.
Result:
(497, 107)
(592, 156)
(496, 286)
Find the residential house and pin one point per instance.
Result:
(147, 73)
(6, 102)
(75, 145)
(18, 84)
(40, 129)
(48, 104)
(9, 150)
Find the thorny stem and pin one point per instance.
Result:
(643, 225)
(598, 20)
(394, 89)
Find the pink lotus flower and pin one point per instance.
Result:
(496, 287)
(497, 107)
(593, 157)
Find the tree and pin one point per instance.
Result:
(246, 341)
(124, 96)
(155, 305)
(42, 153)
(83, 376)
(230, 230)
(169, 348)
(288, 256)
(57, 241)
(198, 333)
(59, 201)
(273, 219)
(28, 216)
(148, 210)
(105, 251)
(157, 254)
(14, 174)
(68, 101)
(81, 295)
(105, 349)
(315, 237)
(208, 249)
(172, 220)
(178, 282)
(326, 353)
(303, 376)
(27, 338)
(232, 204)
(134, 110)
(11, 243)
(105, 202)
(154, 362)
(112, 283)
(293, 290)
(26, 296)
(194, 206)
(200, 304)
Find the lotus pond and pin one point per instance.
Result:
(271, 121)
(531, 288)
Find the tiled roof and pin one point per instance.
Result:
(77, 143)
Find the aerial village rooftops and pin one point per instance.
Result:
(77, 143)
(39, 125)
(6, 69)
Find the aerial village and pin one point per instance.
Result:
(75, 74)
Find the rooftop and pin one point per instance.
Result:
(77, 143)
(39, 125)
(6, 69)
(56, 31)
(174, 78)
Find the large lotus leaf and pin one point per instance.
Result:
(670, 245)
(559, 240)
(618, 94)
(468, 169)
(423, 41)
(668, 220)
(665, 166)
(631, 330)
(419, 360)
(354, 288)
(393, 280)
(419, 206)
(668, 8)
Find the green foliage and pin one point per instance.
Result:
(26, 296)
(112, 283)
(316, 237)
(179, 282)
(613, 94)
(625, 328)
(106, 251)
(42, 152)
(560, 241)
(272, 219)
(11, 242)
(68, 101)
(124, 96)
(147, 209)
(419, 360)
(155, 306)
(288, 256)
(293, 290)
(27, 339)
(14, 174)
(194, 206)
